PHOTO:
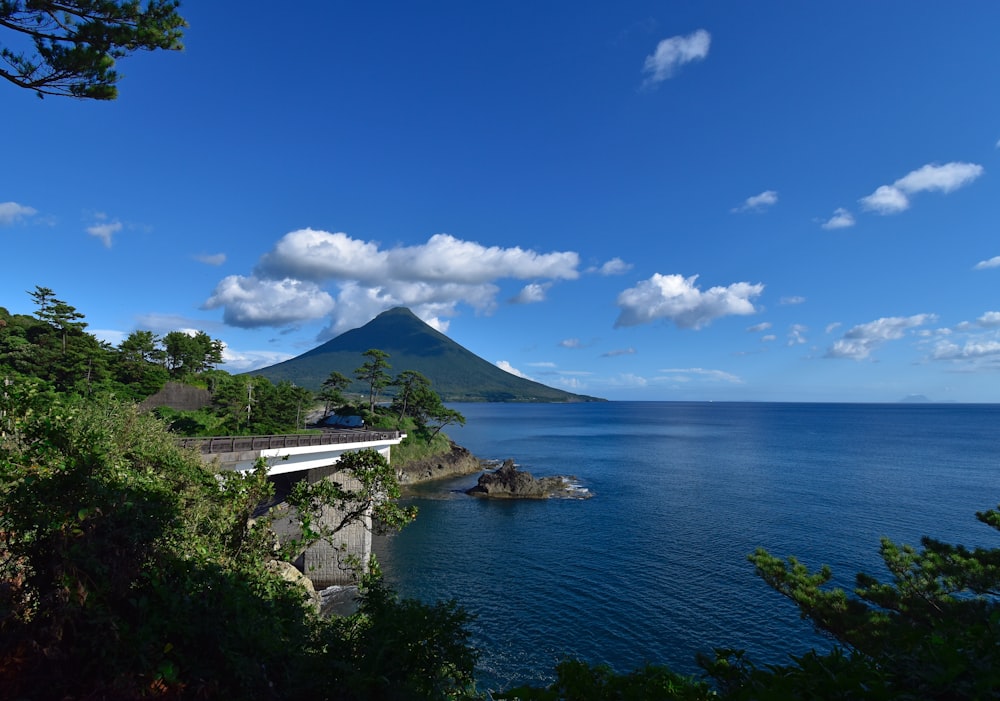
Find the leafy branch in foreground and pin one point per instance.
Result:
(74, 43)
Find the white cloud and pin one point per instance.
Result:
(507, 367)
(972, 350)
(768, 338)
(891, 199)
(830, 328)
(215, 259)
(758, 202)
(757, 328)
(112, 336)
(571, 343)
(12, 212)
(430, 278)
(993, 262)
(620, 351)
(684, 375)
(792, 300)
(615, 266)
(530, 294)
(841, 219)
(236, 361)
(886, 200)
(796, 335)
(628, 380)
(105, 230)
(860, 341)
(989, 320)
(542, 364)
(249, 302)
(674, 52)
(678, 299)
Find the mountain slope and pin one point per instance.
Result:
(457, 374)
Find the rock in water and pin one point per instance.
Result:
(507, 482)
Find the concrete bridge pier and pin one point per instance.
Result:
(310, 457)
(327, 564)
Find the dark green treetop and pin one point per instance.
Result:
(374, 373)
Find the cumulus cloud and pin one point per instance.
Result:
(12, 212)
(571, 343)
(792, 300)
(989, 320)
(759, 202)
(615, 266)
(859, 342)
(105, 230)
(676, 298)
(530, 294)
(993, 262)
(674, 52)
(895, 198)
(768, 338)
(250, 302)
(215, 259)
(687, 374)
(431, 279)
(757, 328)
(973, 349)
(507, 367)
(841, 219)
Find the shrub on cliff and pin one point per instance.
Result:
(128, 570)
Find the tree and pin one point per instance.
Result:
(932, 632)
(374, 374)
(74, 43)
(63, 317)
(410, 384)
(332, 393)
(188, 354)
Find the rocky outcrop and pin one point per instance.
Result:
(290, 573)
(507, 482)
(456, 462)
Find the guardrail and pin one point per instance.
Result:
(236, 444)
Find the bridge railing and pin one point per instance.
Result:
(237, 444)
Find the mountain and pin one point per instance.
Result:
(457, 374)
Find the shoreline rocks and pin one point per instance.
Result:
(457, 462)
(507, 482)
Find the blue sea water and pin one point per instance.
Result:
(653, 568)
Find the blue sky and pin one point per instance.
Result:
(644, 200)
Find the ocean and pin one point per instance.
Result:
(653, 567)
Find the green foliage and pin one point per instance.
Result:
(332, 392)
(386, 662)
(370, 496)
(129, 570)
(76, 42)
(374, 373)
(579, 681)
(188, 354)
(932, 632)
(53, 346)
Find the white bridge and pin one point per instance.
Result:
(311, 457)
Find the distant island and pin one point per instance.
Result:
(456, 374)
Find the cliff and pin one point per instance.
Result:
(454, 463)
